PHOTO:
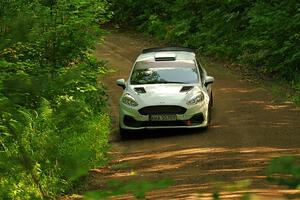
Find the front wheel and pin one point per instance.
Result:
(123, 133)
(210, 105)
(211, 100)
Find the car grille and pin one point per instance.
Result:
(170, 123)
(158, 110)
(131, 122)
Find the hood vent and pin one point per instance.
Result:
(186, 88)
(140, 90)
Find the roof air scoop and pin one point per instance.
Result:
(165, 56)
(186, 88)
(140, 90)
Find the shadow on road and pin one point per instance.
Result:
(162, 133)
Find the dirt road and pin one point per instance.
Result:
(248, 129)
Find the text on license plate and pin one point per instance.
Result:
(163, 117)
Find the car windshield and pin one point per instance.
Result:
(184, 72)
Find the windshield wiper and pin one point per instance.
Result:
(166, 82)
(158, 82)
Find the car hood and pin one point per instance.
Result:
(161, 94)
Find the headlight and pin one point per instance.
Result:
(196, 99)
(129, 100)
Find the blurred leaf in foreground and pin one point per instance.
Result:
(137, 188)
(284, 171)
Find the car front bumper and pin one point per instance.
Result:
(196, 116)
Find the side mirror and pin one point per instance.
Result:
(121, 83)
(209, 80)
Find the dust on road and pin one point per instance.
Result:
(248, 129)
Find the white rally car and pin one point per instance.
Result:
(167, 88)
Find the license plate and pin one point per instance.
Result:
(163, 117)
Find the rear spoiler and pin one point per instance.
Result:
(158, 49)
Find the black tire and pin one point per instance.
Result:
(123, 133)
(211, 100)
(210, 106)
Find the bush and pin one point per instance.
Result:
(50, 137)
(53, 125)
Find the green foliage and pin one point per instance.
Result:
(284, 171)
(59, 31)
(137, 188)
(296, 85)
(236, 186)
(263, 34)
(53, 130)
(53, 126)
